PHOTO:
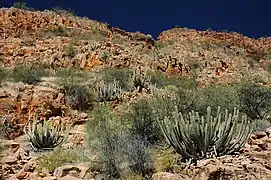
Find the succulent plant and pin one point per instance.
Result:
(140, 81)
(44, 135)
(198, 137)
(109, 92)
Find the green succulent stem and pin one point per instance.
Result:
(44, 135)
(197, 137)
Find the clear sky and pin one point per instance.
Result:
(249, 17)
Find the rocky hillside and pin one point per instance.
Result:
(82, 60)
(210, 57)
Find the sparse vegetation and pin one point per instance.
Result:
(267, 56)
(78, 96)
(143, 120)
(224, 96)
(103, 140)
(262, 124)
(70, 50)
(63, 12)
(72, 73)
(104, 55)
(59, 31)
(161, 80)
(28, 74)
(269, 68)
(59, 157)
(255, 101)
(196, 137)
(122, 75)
(22, 5)
(136, 154)
(122, 153)
(3, 75)
(165, 160)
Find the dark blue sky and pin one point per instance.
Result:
(249, 17)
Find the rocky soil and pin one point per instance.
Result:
(43, 38)
(253, 163)
(211, 57)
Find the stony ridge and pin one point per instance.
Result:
(210, 57)
(261, 45)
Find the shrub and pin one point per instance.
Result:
(165, 160)
(23, 6)
(59, 31)
(70, 51)
(166, 101)
(136, 153)
(102, 139)
(63, 12)
(60, 157)
(196, 137)
(121, 152)
(269, 68)
(78, 96)
(69, 73)
(109, 92)
(104, 55)
(46, 135)
(224, 96)
(3, 75)
(262, 125)
(122, 75)
(143, 120)
(28, 74)
(161, 80)
(255, 101)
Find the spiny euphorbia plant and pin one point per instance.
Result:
(140, 81)
(44, 135)
(109, 92)
(196, 137)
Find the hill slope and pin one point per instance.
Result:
(66, 41)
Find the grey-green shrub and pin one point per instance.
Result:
(122, 75)
(224, 96)
(58, 31)
(196, 137)
(120, 151)
(70, 50)
(255, 101)
(161, 80)
(28, 74)
(142, 120)
(3, 75)
(136, 154)
(78, 96)
(102, 139)
(262, 124)
(60, 157)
